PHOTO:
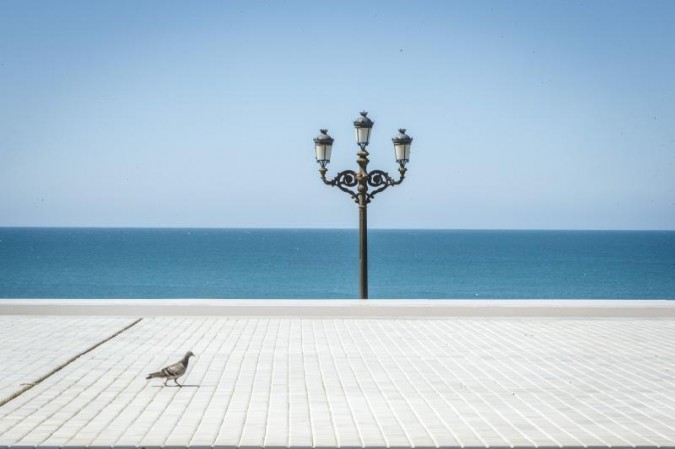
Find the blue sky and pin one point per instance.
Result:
(525, 115)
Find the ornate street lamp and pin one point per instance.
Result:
(357, 183)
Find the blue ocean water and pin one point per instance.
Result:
(298, 264)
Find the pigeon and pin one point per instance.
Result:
(173, 372)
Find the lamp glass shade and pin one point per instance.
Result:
(323, 152)
(363, 136)
(402, 151)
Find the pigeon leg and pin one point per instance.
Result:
(165, 381)
(176, 380)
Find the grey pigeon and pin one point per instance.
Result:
(173, 372)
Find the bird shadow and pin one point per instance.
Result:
(175, 386)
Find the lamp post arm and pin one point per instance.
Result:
(380, 180)
(343, 180)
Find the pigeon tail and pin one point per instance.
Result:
(157, 374)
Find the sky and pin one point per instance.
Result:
(524, 114)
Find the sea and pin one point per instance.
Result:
(323, 264)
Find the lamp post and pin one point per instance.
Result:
(357, 183)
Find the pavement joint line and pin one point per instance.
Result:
(340, 382)
(325, 390)
(220, 327)
(618, 409)
(607, 383)
(234, 385)
(426, 381)
(546, 416)
(306, 396)
(270, 385)
(472, 374)
(254, 378)
(407, 379)
(28, 386)
(222, 373)
(587, 404)
(500, 342)
(341, 331)
(387, 396)
(461, 396)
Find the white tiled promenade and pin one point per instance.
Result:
(278, 382)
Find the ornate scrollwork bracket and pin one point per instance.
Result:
(343, 181)
(380, 180)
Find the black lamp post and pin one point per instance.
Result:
(357, 183)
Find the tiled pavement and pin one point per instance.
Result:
(301, 383)
(31, 347)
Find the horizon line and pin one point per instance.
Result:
(334, 229)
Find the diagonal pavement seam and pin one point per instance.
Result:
(64, 364)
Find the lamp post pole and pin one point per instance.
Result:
(362, 180)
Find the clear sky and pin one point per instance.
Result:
(525, 115)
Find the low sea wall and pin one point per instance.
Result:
(427, 309)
